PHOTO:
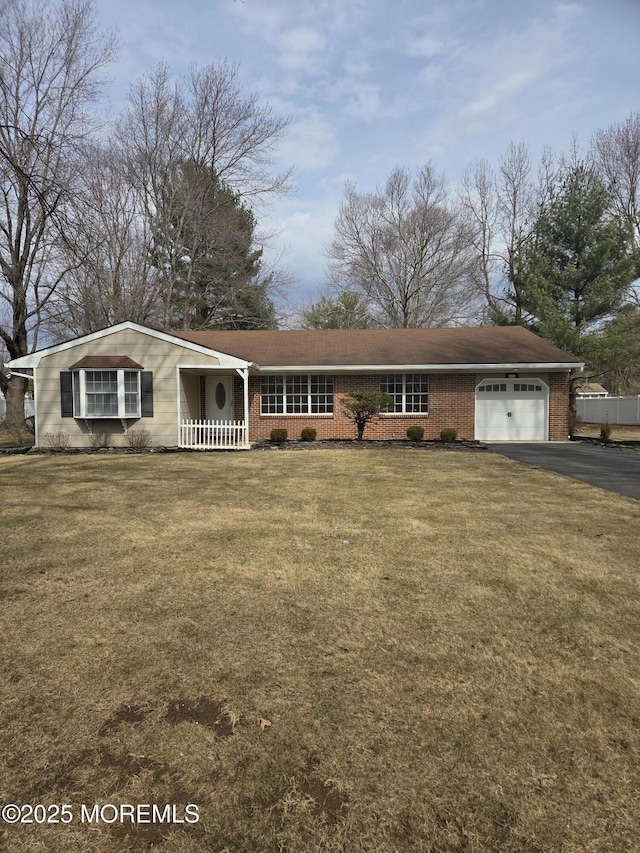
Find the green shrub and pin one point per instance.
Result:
(415, 432)
(448, 434)
(278, 435)
(308, 434)
(605, 431)
(360, 407)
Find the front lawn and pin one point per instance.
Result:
(446, 647)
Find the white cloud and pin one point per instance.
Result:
(370, 84)
(311, 142)
(305, 227)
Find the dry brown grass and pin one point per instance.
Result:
(619, 432)
(445, 644)
(15, 438)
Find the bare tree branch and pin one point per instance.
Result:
(406, 250)
(50, 64)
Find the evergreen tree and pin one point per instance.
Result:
(346, 311)
(614, 356)
(204, 237)
(578, 269)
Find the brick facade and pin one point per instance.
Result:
(559, 406)
(451, 404)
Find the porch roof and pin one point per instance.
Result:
(106, 362)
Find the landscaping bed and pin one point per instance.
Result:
(354, 444)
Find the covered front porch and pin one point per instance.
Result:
(213, 406)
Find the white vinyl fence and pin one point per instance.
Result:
(612, 410)
(29, 410)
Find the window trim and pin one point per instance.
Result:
(281, 396)
(79, 393)
(403, 413)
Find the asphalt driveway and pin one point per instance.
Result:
(612, 468)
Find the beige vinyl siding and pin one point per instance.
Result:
(155, 355)
(190, 396)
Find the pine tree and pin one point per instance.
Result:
(348, 310)
(204, 238)
(578, 269)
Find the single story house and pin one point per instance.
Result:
(591, 390)
(227, 389)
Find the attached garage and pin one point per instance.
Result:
(512, 410)
(230, 388)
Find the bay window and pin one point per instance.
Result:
(106, 393)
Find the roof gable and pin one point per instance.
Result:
(33, 360)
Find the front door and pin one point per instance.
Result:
(219, 398)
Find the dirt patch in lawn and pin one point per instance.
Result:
(204, 711)
(325, 801)
(128, 714)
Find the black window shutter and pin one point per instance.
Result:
(146, 394)
(66, 394)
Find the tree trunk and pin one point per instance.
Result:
(15, 403)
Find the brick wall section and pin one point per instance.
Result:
(451, 404)
(558, 406)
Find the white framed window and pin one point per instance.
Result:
(410, 392)
(106, 393)
(296, 395)
(527, 387)
(493, 388)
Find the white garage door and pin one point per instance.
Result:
(512, 410)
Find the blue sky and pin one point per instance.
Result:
(371, 84)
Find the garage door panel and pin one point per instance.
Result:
(512, 411)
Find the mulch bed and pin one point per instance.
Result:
(354, 444)
(609, 442)
(266, 444)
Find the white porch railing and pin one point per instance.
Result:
(213, 435)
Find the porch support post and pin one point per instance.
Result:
(179, 405)
(244, 373)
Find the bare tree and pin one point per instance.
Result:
(207, 121)
(500, 210)
(50, 64)
(405, 249)
(616, 151)
(116, 280)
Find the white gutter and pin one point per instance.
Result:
(413, 368)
